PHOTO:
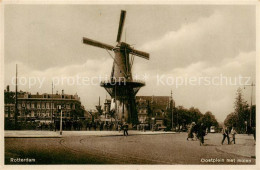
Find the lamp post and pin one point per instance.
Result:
(60, 108)
(250, 116)
(171, 107)
(52, 104)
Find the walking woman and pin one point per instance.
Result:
(190, 131)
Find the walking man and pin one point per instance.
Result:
(233, 133)
(125, 127)
(225, 135)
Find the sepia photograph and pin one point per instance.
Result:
(129, 84)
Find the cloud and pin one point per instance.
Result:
(216, 98)
(209, 39)
(70, 78)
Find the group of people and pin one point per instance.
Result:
(197, 131)
(78, 125)
(226, 133)
(69, 125)
(124, 127)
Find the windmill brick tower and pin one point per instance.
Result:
(121, 87)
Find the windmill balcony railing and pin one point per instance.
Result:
(121, 81)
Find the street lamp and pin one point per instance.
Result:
(60, 108)
(250, 119)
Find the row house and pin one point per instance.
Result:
(41, 106)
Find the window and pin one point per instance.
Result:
(47, 105)
(43, 105)
(38, 106)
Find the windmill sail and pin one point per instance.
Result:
(97, 44)
(121, 25)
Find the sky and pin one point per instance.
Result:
(191, 47)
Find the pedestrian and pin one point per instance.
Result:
(125, 127)
(101, 126)
(119, 127)
(190, 131)
(89, 126)
(108, 125)
(95, 126)
(201, 133)
(225, 134)
(254, 131)
(233, 133)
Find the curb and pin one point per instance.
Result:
(33, 136)
(101, 135)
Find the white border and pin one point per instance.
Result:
(112, 167)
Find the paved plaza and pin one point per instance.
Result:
(111, 147)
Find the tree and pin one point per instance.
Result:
(208, 119)
(78, 111)
(195, 114)
(253, 116)
(241, 116)
(242, 111)
(231, 120)
(184, 117)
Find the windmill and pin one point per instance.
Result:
(121, 86)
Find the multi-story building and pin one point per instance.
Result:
(153, 107)
(42, 106)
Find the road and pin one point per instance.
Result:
(133, 149)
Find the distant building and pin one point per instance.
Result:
(42, 106)
(107, 106)
(149, 108)
(153, 108)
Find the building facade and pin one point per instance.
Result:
(153, 108)
(42, 106)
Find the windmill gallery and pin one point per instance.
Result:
(121, 87)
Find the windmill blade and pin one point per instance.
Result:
(140, 54)
(97, 44)
(121, 25)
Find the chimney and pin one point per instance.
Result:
(57, 92)
(7, 88)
